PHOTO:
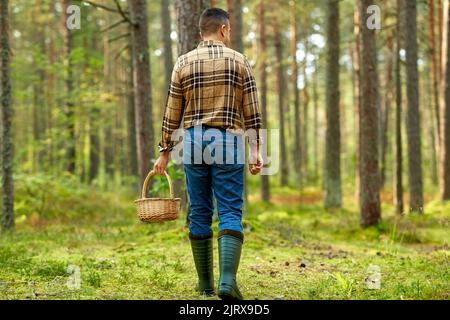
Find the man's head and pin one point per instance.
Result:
(215, 25)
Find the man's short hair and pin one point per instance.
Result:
(212, 19)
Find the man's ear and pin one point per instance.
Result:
(222, 30)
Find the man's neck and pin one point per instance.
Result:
(211, 39)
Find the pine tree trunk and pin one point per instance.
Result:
(431, 128)
(167, 41)
(235, 12)
(131, 115)
(106, 125)
(434, 74)
(106, 142)
(69, 104)
(188, 15)
(435, 116)
(305, 122)
(94, 141)
(281, 99)
(369, 173)
(333, 196)
(387, 99)
(262, 54)
(413, 116)
(94, 150)
(445, 157)
(398, 164)
(50, 94)
(7, 219)
(316, 123)
(443, 56)
(38, 93)
(440, 23)
(142, 88)
(296, 93)
(357, 95)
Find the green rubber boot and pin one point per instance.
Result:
(230, 247)
(202, 251)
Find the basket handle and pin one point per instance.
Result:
(147, 179)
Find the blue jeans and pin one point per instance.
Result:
(208, 173)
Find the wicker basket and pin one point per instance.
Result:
(157, 209)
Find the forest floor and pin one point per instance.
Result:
(293, 249)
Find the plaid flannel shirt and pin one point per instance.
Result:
(211, 85)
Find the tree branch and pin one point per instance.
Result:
(123, 13)
(112, 26)
(126, 35)
(100, 6)
(117, 56)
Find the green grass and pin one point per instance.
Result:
(293, 250)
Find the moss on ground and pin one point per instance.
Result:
(293, 249)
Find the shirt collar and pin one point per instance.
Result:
(208, 43)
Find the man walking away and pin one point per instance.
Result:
(213, 89)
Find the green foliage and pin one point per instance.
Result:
(345, 284)
(63, 197)
(161, 184)
(292, 250)
(94, 279)
(50, 268)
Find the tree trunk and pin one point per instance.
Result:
(398, 167)
(315, 123)
(235, 12)
(7, 220)
(435, 116)
(440, 23)
(413, 116)
(445, 157)
(369, 174)
(94, 149)
(333, 196)
(281, 99)
(432, 100)
(131, 116)
(167, 41)
(296, 93)
(443, 58)
(356, 62)
(434, 74)
(262, 54)
(427, 101)
(38, 92)
(50, 94)
(188, 15)
(94, 141)
(305, 151)
(69, 104)
(142, 89)
(107, 142)
(386, 108)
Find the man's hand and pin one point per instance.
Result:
(161, 164)
(255, 161)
